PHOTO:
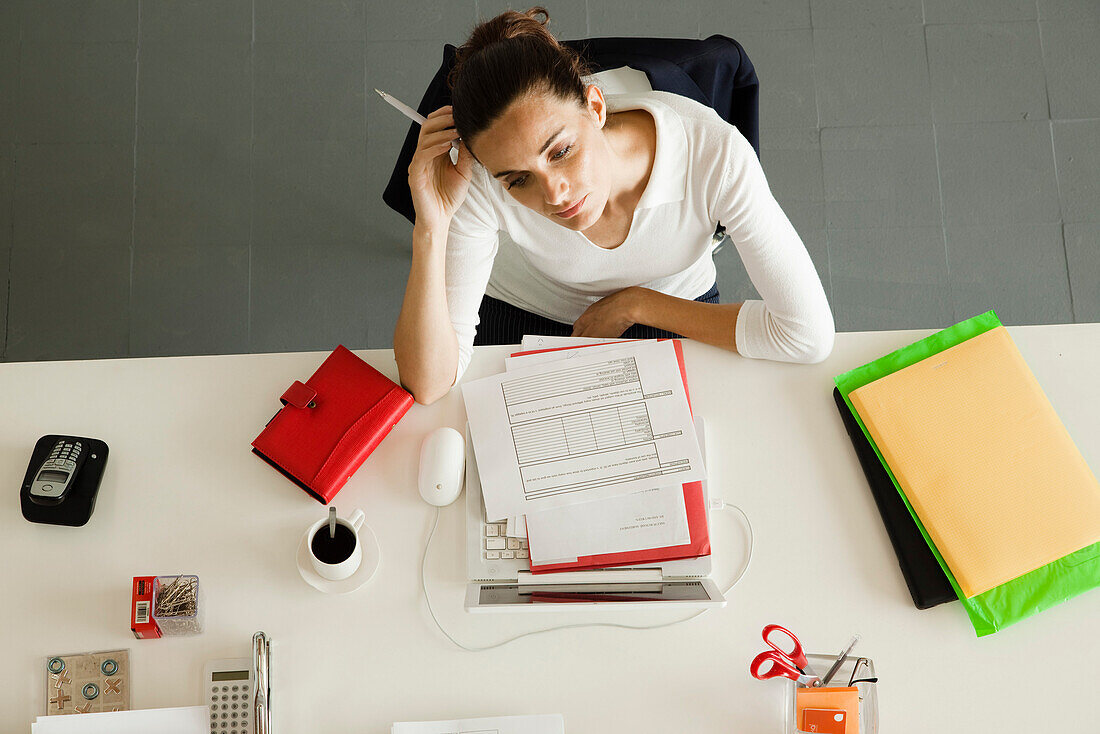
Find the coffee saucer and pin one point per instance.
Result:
(372, 557)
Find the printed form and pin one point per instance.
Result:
(651, 518)
(590, 426)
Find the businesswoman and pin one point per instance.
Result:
(609, 205)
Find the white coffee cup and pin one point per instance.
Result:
(348, 566)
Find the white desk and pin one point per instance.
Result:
(182, 493)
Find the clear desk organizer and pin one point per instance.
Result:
(868, 692)
(179, 625)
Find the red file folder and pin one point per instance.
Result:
(694, 501)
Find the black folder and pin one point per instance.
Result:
(928, 585)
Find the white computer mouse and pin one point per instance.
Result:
(442, 466)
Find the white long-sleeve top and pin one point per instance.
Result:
(704, 172)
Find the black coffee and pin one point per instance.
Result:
(333, 550)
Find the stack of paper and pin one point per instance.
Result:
(187, 720)
(545, 724)
(596, 422)
(586, 451)
(984, 461)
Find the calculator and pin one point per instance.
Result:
(228, 689)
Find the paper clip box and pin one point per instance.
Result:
(142, 623)
(868, 693)
(178, 625)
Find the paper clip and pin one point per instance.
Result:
(855, 671)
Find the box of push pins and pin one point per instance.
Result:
(84, 683)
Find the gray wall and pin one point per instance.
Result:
(205, 176)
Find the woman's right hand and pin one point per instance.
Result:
(438, 186)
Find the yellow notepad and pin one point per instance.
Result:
(984, 460)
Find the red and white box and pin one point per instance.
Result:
(141, 609)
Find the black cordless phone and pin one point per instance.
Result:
(58, 472)
(62, 479)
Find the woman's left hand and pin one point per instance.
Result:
(610, 316)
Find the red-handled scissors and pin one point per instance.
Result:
(783, 663)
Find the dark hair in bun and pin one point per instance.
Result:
(508, 57)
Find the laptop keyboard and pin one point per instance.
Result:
(496, 545)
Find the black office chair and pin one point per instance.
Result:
(714, 71)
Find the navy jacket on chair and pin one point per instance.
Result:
(714, 71)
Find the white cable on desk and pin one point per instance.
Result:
(428, 601)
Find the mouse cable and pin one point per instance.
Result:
(715, 503)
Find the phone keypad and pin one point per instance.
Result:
(66, 447)
(62, 458)
(64, 455)
(230, 710)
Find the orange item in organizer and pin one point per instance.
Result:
(824, 721)
(836, 699)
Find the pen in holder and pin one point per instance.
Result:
(261, 664)
(854, 672)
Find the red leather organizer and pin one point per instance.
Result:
(331, 423)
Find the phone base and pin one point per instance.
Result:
(76, 508)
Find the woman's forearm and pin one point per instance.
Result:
(710, 323)
(424, 342)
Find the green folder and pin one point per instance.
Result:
(1025, 595)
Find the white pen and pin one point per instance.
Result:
(409, 112)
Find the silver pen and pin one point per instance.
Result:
(261, 664)
(409, 112)
(839, 661)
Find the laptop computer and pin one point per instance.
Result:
(501, 580)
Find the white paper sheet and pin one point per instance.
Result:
(185, 720)
(516, 527)
(599, 423)
(653, 518)
(550, 342)
(543, 724)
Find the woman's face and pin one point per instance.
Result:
(549, 155)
